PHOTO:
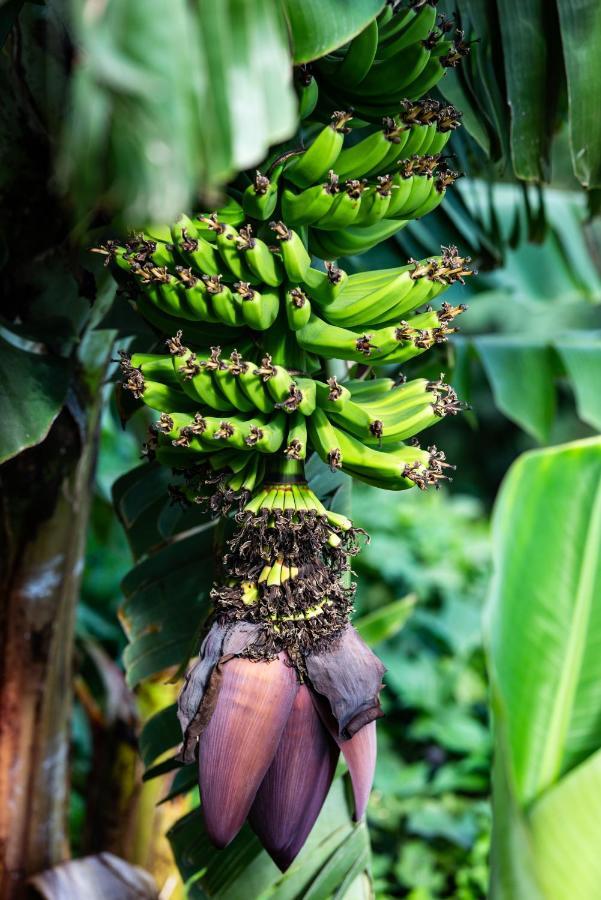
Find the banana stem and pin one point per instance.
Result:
(285, 471)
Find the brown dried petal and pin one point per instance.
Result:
(349, 676)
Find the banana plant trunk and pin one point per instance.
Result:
(46, 493)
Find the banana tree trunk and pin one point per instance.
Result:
(46, 497)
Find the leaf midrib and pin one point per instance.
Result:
(561, 714)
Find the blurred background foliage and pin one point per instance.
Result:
(96, 131)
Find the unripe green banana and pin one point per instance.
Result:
(195, 251)
(331, 342)
(344, 208)
(311, 204)
(375, 202)
(259, 258)
(296, 439)
(325, 286)
(195, 298)
(227, 244)
(254, 388)
(164, 396)
(260, 198)
(324, 439)
(155, 367)
(222, 302)
(320, 157)
(359, 57)
(415, 31)
(298, 308)
(229, 385)
(353, 240)
(307, 89)
(196, 380)
(259, 310)
(361, 158)
(294, 254)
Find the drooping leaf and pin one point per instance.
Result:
(385, 622)
(128, 145)
(526, 32)
(582, 358)
(521, 375)
(40, 380)
(580, 37)
(97, 878)
(166, 602)
(160, 733)
(319, 26)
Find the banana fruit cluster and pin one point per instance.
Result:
(403, 53)
(257, 305)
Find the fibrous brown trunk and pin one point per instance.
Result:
(45, 503)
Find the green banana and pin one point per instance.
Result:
(400, 71)
(227, 244)
(311, 204)
(195, 378)
(308, 92)
(298, 308)
(156, 367)
(296, 439)
(353, 240)
(321, 155)
(259, 258)
(359, 56)
(324, 439)
(221, 301)
(375, 202)
(417, 30)
(259, 310)
(325, 286)
(195, 297)
(294, 254)
(195, 251)
(364, 156)
(260, 198)
(228, 383)
(344, 209)
(331, 342)
(370, 389)
(164, 396)
(254, 388)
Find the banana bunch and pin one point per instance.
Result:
(261, 315)
(402, 54)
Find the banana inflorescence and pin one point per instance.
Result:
(255, 304)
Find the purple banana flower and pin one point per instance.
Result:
(267, 744)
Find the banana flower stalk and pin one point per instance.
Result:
(283, 683)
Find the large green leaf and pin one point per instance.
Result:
(566, 834)
(319, 26)
(544, 623)
(166, 601)
(149, 130)
(581, 35)
(521, 375)
(333, 850)
(33, 388)
(543, 631)
(581, 356)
